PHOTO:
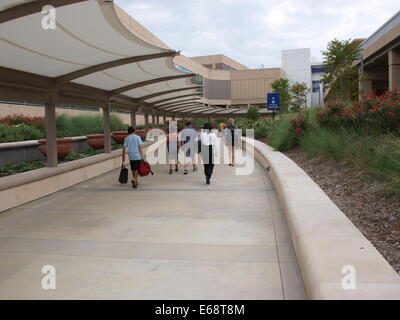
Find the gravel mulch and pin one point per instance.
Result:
(375, 215)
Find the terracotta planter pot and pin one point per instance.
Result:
(95, 141)
(64, 147)
(141, 133)
(119, 136)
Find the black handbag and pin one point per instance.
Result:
(123, 175)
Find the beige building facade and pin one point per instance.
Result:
(229, 83)
(380, 58)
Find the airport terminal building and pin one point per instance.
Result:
(230, 84)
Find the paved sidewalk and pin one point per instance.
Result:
(173, 238)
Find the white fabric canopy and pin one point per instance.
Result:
(107, 59)
(87, 34)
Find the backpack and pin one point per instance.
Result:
(144, 169)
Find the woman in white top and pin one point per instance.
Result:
(208, 150)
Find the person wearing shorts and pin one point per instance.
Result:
(133, 146)
(173, 148)
(188, 137)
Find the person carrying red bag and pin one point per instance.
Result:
(133, 146)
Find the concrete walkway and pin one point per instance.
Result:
(173, 238)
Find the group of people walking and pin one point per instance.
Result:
(191, 143)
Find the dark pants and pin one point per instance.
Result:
(208, 160)
(208, 170)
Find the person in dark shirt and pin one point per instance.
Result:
(232, 140)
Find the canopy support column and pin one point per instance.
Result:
(153, 119)
(51, 130)
(394, 70)
(146, 120)
(164, 120)
(107, 128)
(133, 119)
(158, 120)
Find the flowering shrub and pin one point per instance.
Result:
(299, 126)
(331, 114)
(17, 119)
(383, 110)
(379, 112)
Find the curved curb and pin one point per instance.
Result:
(325, 241)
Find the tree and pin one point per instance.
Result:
(253, 114)
(298, 96)
(282, 86)
(340, 78)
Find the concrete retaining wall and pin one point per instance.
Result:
(325, 241)
(21, 188)
(16, 152)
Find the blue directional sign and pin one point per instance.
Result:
(273, 101)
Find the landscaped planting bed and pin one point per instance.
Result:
(12, 169)
(352, 150)
(375, 214)
(20, 128)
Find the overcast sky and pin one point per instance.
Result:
(254, 32)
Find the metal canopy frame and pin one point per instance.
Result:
(26, 9)
(148, 82)
(158, 102)
(178, 105)
(182, 106)
(188, 108)
(176, 102)
(157, 94)
(62, 89)
(112, 64)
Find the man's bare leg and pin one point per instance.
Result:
(135, 177)
(194, 162)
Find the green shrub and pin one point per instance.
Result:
(376, 155)
(329, 143)
(261, 132)
(68, 126)
(11, 169)
(19, 132)
(253, 114)
(382, 161)
(281, 137)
